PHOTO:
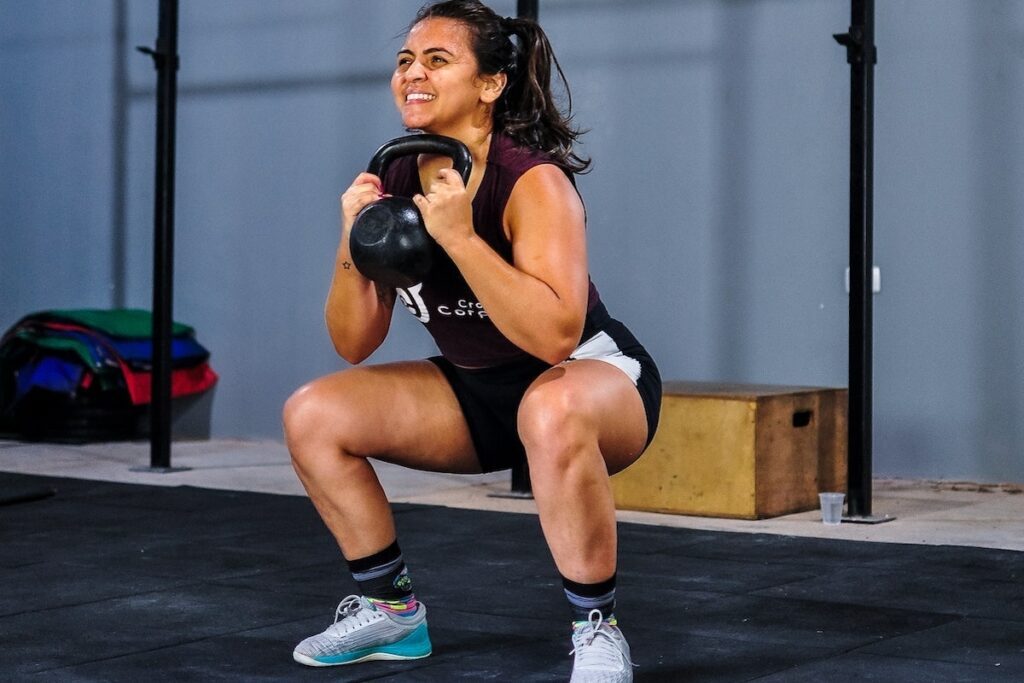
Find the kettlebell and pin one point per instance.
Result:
(388, 241)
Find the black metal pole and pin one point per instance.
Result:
(165, 59)
(527, 9)
(861, 54)
(119, 134)
(521, 487)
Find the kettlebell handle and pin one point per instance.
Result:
(462, 160)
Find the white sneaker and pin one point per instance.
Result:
(362, 633)
(602, 653)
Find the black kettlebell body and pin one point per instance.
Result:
(388, 241)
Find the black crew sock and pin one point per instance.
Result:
(383, 575)
(584, 597)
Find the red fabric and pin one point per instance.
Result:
(184, 381)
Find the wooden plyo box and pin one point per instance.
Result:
(739, 450)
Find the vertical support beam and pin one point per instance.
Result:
(165, 59)
(862, 56)
(527, 9)
(119, 135)
(521, 487)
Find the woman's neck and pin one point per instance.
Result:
(479, 147)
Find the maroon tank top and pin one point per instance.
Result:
(444, 302)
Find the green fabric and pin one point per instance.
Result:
(74, 346)
(118, 322)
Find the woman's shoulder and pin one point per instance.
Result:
(514, 157)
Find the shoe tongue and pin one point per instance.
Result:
(580, 626)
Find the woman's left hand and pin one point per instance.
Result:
(447, 209)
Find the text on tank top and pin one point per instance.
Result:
(444, 302)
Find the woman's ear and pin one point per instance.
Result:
(493, 86)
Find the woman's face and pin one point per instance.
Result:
(435, 84)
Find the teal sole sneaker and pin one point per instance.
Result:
(363, 633)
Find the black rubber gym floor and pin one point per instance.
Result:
(115, 582)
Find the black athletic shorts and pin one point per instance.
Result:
(490, 396)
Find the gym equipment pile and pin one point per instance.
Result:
(86, 374)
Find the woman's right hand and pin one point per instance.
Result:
(365, 189)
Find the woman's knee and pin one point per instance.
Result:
(553, 423)
(312, 415)
(300, 415)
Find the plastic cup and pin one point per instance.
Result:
(831, 507)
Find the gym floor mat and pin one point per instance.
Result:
(120, 582)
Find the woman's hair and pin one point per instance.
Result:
(527, 111)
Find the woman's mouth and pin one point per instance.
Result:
(419, 97)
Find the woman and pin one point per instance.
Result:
(532, 366)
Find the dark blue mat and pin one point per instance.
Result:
(114, 582)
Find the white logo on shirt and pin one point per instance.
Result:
(412, 298)
(414, 302)
(464, 309)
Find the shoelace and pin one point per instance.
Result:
(598, 657)
(351, 614)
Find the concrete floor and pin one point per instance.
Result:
(925, 512)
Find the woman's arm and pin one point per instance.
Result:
(539, 302)
(358, 311)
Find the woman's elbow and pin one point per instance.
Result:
(560, 346)
(351, 357)
(353, 351)
(555, 357)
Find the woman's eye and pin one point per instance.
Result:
(438, 60)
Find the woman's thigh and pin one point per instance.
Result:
(597, 395)
(404, 413)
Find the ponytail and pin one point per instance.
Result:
(527, 111)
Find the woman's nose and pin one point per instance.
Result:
(415, 71)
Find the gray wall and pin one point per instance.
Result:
(718, 201)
